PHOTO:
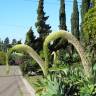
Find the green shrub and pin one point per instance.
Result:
(2, 58)
(75, 58)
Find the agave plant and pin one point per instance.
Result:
(30, 51)
(71, 39)
(53, 36)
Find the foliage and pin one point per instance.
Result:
(30, 51)
(93, 3)
(84, 7)
(94, 72)
(42, 54)
(62, 16)
(47, 87)
(75, 20)
(15, 58)
(6, 44)
(71, 39)
(42, 28)
(88, 90)
(44, 65)
(24, 67)
(75, 57)
(62, 26)
(64, 81)
(19, 42)
(38, 44)
(6, 41)
(2, 57)
(14, 42)
(30, 38)
(89, 27)
(1, 46)
(29, 66)
(33, 80)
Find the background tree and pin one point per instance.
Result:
(75, 20)
(62, 16)
(84, 9)
(30, 38)
(42, 28)
(89, 31)
(19, 42)
(6, 44)
(14, 42)
(89, 27)
(6, 41)
(1, 45)
(38, 44)
(59, 43)
(62, 22)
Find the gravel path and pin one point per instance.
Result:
(13, 84)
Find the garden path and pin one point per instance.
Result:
(13, 84)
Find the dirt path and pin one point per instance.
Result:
(13, 84)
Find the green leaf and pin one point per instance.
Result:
(94, 67)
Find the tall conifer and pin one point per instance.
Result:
(62, 16)
(84, 9)
(42, 28)
(30, 38)
(75, 20)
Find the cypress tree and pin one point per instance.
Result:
(62, 26)
(62, 16)
(75, 20)
(30, 38)
(42, 28)
(84, 9)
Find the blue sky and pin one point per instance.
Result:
(17, 16)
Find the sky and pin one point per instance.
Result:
(17, 16)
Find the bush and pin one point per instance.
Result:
(2, 58)
(28, 65)
(15, 58)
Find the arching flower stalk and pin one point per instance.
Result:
(30, 51)
(71, 39)
(53, 36)
(55, 57)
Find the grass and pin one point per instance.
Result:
(33, 79)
